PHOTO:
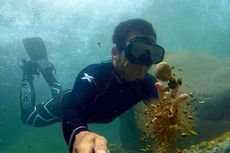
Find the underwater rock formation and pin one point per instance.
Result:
(220, 144)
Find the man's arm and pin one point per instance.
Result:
(75, 110)
(85, 141)
(77, 135)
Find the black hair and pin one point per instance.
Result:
(125, 28)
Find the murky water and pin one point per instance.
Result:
(194, 33)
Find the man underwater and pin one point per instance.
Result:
(101, 91)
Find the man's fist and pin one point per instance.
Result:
(89, 142)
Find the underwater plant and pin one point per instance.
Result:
(167, 123)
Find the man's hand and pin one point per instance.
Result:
(89, 142)
(170, 96)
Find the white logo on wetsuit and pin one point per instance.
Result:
(88, 78)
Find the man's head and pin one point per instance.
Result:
(128, 27)
(140, 35)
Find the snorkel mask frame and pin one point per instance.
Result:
(147, 57)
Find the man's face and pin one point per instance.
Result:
(126, 69)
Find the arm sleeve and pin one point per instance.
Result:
(75, 111)
(151, 89)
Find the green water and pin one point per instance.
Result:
(196, 33)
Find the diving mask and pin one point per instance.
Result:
(143, 51)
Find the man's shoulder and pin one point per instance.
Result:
(98, 70)
(100, 67)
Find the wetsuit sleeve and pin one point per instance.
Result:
(151, 89)
(75, 111)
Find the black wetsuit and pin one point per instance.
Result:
(99, 95)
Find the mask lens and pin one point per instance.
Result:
(140, 48)
(146, 52)
(158, 54)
